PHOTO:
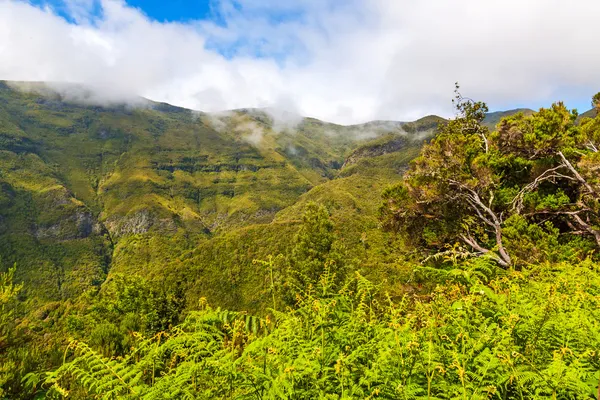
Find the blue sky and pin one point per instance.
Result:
(344, 61)
(205, 11)
(174, 10)
(159, 10)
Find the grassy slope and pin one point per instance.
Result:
(172, 194)
(492, 119)
(85, 189)
(222, 268)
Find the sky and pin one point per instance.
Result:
(344, 61)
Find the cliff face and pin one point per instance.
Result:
(379, 148)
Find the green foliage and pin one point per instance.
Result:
(596, 101)
(517, 195)
(8, 303)
(315, 247)
(8, 296)
(126, 304)
(531, 334)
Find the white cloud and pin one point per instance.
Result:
(345, 62)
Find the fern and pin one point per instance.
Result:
(501, 336)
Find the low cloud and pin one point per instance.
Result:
(82, 94)
(242, 124)
(283, 120)
(217, 121)
(345, 62)
(374, 129)
(251, 132)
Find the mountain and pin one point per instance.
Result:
(87, 191)
(164, 252)
(146, 188)
(588, 114)
(492, 119)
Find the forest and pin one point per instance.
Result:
(436, 259)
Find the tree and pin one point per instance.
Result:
(472, 186)
(8, 301)
(596, 101)
(316, 248)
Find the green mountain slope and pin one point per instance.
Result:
(492, 119)
(588, 114)
(86, 190)
(221, 267)
(257, 254)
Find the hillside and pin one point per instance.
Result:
(492, 118)
(89, 190)
(164, 251)
(588, 114)
(156, 190)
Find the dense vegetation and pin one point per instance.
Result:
(478, 335)
(476, 277)
(86, 191)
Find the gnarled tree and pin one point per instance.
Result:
(475, 186)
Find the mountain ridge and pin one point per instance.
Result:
(84, 186)
(89, 191)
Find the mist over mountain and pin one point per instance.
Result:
(307, 199)
(117, 195)
(94, 176)
(84, 174)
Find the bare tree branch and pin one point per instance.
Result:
(591, 146)
(577, 175)
(480, 131)
(474, 196)
(517, 203)
(494, 221)
(588, 228)
(468, 239)
(473, 205)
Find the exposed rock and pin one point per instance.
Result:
(377, 149)
(48, 232)
(137, 223)
(85, 224)
(76, 226)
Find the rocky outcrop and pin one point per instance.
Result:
(377, 148)
(78, 225)
(138, 223)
